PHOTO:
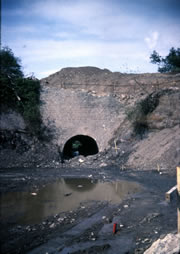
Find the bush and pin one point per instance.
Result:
(19, 93)
(29, 90)
(138, 114)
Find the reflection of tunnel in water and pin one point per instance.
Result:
(53, 198)
(80, 145)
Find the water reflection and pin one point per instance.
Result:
(63, 195)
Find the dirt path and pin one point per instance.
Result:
(141, 218)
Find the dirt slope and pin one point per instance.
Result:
(160, 149)
(147, 135)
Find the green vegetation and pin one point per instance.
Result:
(138, 114)
(76, 145)
(170, 63)
(18, 92)
(138, 119)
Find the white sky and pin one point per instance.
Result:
(119, 35)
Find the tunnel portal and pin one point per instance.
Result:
(79, 145)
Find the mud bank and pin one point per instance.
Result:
(142, 217)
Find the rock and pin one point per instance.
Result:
(168, 245)
(60, 219)
(52, 225)
(67, 194)
(125, 206)
(33, 193)
(11, 120)
(146, 240)
(103, 164)
(150, 217)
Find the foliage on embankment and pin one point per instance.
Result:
(19, 92)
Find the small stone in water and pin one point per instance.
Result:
(33, 193)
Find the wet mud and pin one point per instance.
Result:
(74, 210)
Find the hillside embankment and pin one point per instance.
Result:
(134, 118)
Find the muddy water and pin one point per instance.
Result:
(61, 196)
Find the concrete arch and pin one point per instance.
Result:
(79, 145)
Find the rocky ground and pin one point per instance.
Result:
(141, 218)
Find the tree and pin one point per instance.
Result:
(170, 63)
(10, 73)
(17, 92)
(10, 65)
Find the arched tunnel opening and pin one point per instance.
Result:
(79, 145)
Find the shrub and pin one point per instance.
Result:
(20, 93)
(138, 114)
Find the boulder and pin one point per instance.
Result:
(168, 245)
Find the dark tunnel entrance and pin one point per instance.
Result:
(79, 145)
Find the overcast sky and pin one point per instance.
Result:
(118, 35)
